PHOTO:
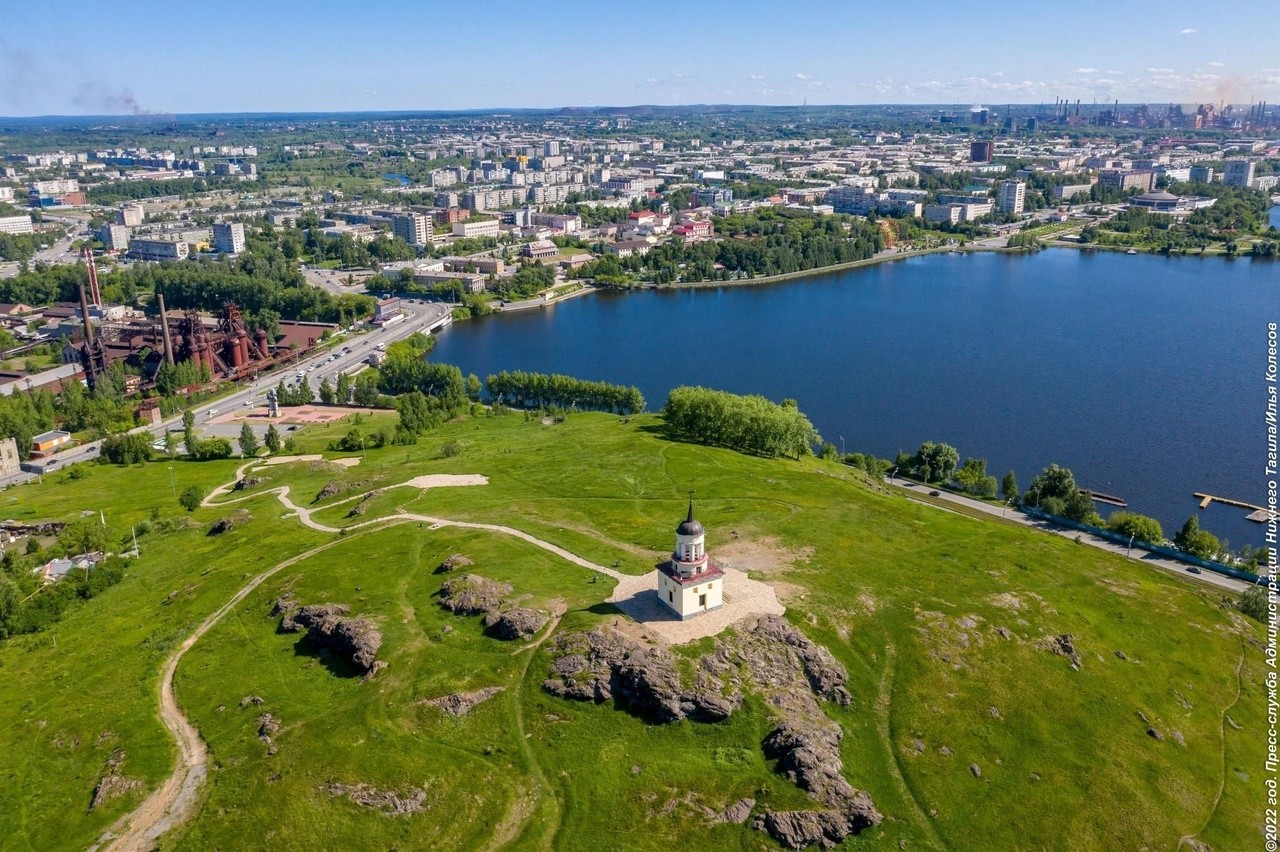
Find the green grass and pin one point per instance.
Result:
(908, 597)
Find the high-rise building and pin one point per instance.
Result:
(1201, 174)
(130, 215)
(228, 237)
(1238, 173)
(114, 237)
(982, 152)
(1013, 195)
(414, 228)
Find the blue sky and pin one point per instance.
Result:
(72, 57)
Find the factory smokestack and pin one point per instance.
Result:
(164, 325)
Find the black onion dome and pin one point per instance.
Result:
(690, 526)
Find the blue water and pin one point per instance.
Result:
(1274, 217)
(1143, 374)
(403, 180)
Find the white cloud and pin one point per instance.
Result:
(1187, 31)
(652, 80)
(802, 76)
(1159, 70)
(1216, 64)
(1086, 70)
(757, 77)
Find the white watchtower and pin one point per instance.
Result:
(690, 583)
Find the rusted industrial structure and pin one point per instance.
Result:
(224, 344)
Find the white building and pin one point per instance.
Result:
(414, 228)
(228, 237)
(481, 228)
(690, 583)
(16, 225)
(1013, 196)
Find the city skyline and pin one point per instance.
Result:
(393, 56)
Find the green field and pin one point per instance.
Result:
(940, 619)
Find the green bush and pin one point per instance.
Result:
(1140, 527)
(128, 448)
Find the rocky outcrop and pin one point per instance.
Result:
(113, 783)
(389, 802)
(247, 482)
(473, 595)
(826, 829)
(515, 623)
(1063, 646)
(238, 518)
(770, 657)
(330, 488)
(604, 665)
(329, 628)
(452, 563)
(461, 703)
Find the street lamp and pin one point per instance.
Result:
(172, 486)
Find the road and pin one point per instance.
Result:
(918, 492)
(330, 280)
(419, 316)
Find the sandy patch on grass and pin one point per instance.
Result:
(765, 555)
(291, 459)
(444, 480)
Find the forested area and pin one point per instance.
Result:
(750, 424)
(764, 243)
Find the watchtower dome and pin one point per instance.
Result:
(690, 583)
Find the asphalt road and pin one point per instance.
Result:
(417, 317)
(933, 496)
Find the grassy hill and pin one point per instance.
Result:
(945, 623)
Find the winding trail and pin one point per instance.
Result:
(1192, 840)
(174, 801)
(884, 702)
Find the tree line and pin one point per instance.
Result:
(750, 424)
(519, 388)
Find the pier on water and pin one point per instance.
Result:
(1257, 514)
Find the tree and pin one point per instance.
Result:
(1195, 541)
(190, 498)
(127, 448)
(273, 439)
(212, 449)
(248, 441)
(85, 535)
(365, 391)
(415, 412)
(342, 394)
(170, 443)
(1009, 488)
(974, 480)
(1253, 603)
(1138, 527)
(937, 462)
(326, 391)
(473, 387)
(9, 602)
(189, 430)
(1055, 491)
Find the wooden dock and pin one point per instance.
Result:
(1109, 499)
(1258, 514)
